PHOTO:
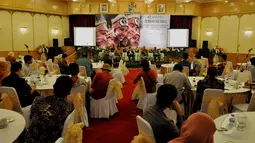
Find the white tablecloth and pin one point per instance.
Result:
(232, 96)
(14, 129)
(228, 88)
(166, 68)
(97, 65)
(245, 136)
(45, 87)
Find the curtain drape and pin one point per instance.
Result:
(181, 22)
(80, 21)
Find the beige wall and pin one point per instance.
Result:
(92, 7)
(42, 6)
(39, 30)
(228, 32)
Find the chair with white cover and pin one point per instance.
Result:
(244, 76)
(11, 92)
(105, 107)
(186, 70)
(139, 90)
(26, 112)
(124, 69)
(120, 64)
(60, 140)
(158, 85)
(79, 106)
(147, 99)
(145, 131)
(213, 102)
(119, 76)
(56, 69)
(82, 70)
(245, 107)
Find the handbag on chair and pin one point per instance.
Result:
(153, 83)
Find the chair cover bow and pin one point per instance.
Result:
(6, 102)
(141, 138)
(117, 88)
(215, 107)
(74, 134)
(139, 89)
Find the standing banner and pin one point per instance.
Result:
(153, 30)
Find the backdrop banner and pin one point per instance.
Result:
(125, 30)
(117, 30)
(153, 29)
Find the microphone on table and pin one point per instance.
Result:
(250, 49)
(27, 48)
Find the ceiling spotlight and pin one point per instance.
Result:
(226, 1)
(74, 0)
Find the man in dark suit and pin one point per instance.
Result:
(130, 54)
(25, 92)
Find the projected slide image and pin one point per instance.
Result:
(178, 38)
(85, 36)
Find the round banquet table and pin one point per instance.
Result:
(14, 129)
(45, 87)
(232, 95)
(245, 136)
(166, 68)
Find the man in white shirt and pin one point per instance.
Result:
(26, 69)
(178, 79)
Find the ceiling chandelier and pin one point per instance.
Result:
(112, 1)
(148, 1)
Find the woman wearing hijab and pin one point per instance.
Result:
(4, 70)
(198, 128)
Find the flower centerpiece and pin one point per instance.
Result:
(216, 51)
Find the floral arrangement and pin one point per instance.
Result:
(217, 51)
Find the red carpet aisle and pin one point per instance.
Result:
(122, 127)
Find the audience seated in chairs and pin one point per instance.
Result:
(100, 82)
(77, 81)
(198, 128)
(164, 128)
(197, 65)
(63, 65)
(11, 57)
(224, 67)
(25, 92)
(48, 114)
(251, 68)
(185, 61)
(26, 66)
(131, 55)
(84, 61)
(178, 79)
(149, 76)
(156, 54)
(4, 70)
(209, 81)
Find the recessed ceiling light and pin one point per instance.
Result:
(74, 0)
(226, 1)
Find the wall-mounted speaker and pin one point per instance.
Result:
(205, 44)
(68, 42)
(193, 43)
(55, 43)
